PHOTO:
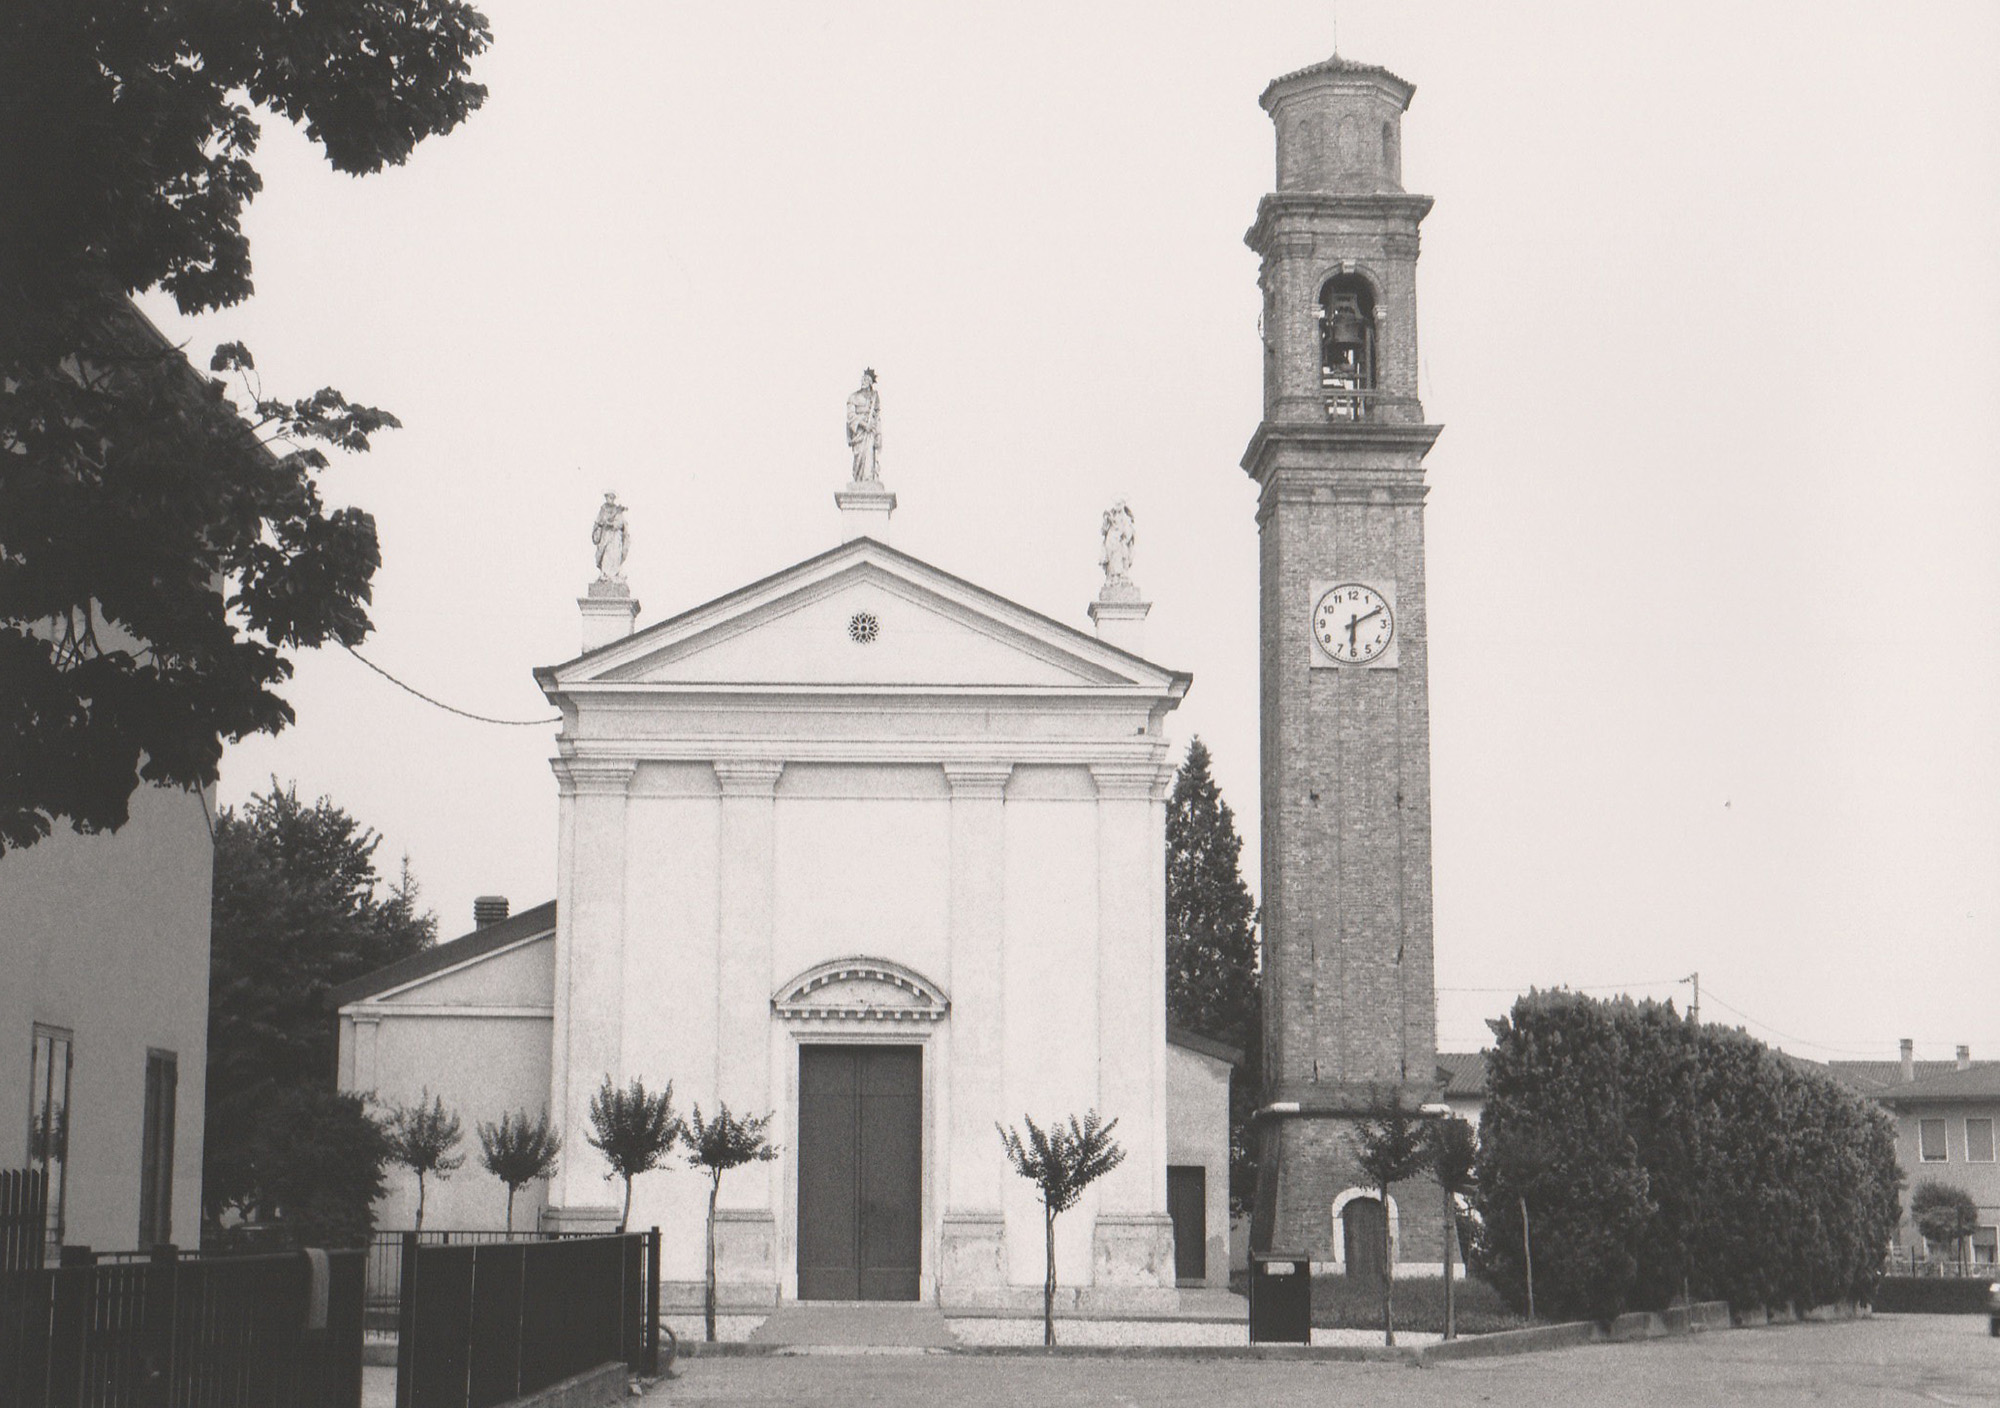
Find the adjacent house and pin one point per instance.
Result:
(104, 950)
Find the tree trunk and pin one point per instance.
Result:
(1450, 1236)
(708, 1295)
(420, 1201)
(510, 1211)
(1388, 1276)
(626, 1216)
(1049, 1280)
(1528, 1257)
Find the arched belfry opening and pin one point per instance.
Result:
(1347, 346)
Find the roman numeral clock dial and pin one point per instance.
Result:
(1353, 624)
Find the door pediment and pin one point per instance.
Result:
(861, 989)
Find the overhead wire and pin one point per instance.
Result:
(448, 708)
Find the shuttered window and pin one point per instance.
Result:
(1979, 1141)
(156, 1156)
(1930, 1141)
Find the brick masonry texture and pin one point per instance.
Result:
(1350, 1003)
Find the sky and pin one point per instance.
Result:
(1710, 314)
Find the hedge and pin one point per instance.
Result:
(1658, 1158)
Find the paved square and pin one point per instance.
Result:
(1895, 1359)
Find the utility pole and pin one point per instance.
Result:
(1694, 1008)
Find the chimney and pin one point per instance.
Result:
(1909, 1059)
(1965, 1058)
(488, 910)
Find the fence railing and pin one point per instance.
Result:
(1909, 1263)
(23, 1218)
(382, 1297)
(276, 1331)
(481, 1323)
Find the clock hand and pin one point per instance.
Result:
(1365, 615)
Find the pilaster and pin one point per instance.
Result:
(1133, 1241)
(590, 961)
(974, 1256)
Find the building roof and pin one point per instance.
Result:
(1205, 1046)
(528, 924)
(1980, 1082)
(1880, 1077)
(1463, 1072)
(1334, 64)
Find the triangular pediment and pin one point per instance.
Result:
(863, 617)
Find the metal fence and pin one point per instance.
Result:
(23, 1218)
(382, 1298)
(481, 1323)
(277, 1331)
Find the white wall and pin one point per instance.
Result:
(1198, 1133)
(108, 936)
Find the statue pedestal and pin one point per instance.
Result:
(864, 510)
(1120, 617)
(609, 610)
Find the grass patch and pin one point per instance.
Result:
(1343, 1304)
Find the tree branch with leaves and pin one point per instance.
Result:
(718, 1145)
(518, 1151)
(1390, 1145)
(1061, 1162)
(633, 1128)
(421, 1138)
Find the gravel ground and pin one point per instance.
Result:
(1140, 1332)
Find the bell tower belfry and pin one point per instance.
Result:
(1349, 1004)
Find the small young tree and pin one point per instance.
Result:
(1390, 1146)
(718, 1145)
(1061, 1163)
(1452, 1149)
(518, 1152)
(1945, 1215)
(421, 1139)
(633, 1130)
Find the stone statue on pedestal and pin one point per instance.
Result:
(613, 539)
(864, 430)
(1116, 557)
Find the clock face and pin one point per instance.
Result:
(1352, 623)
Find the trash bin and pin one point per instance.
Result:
(1280, 1298)
(1992, 1310)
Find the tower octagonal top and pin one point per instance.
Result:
(1339, 127)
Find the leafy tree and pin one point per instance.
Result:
(633, 1130)
(421, 1139)
(1945, 1215)
(1451, 1149)
(1061, 1163)
(298, 909)
(1212, 954)
(129, 484)
(518, 1152)
(316, 1168)
(1391, 1145)
(718, 1145)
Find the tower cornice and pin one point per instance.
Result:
(1362, 449)
(1280, 207)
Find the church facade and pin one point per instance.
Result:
(874, 851)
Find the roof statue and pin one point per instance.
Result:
(1116, 555)
(613, 539)
(864, 430)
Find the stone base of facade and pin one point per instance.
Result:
(974, 1256)
(601, 1218)
(746, 1246)
(1309, 1172)
(1070, 1300)
(731, 1297)
(1132, 1251)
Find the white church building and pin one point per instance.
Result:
(879, 852)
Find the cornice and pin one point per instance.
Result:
(1381, 448)
(1292, 208)
(1131, 781)
(593, 776)
(974, 780)
(748, 777)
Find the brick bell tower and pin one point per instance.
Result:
(1349, 1004)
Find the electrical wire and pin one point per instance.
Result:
(439, 703)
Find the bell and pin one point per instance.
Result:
(1345, 328)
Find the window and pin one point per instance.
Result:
(1979, 1141)
(1986, 1245)
(156, 1151)
(1930, 1141)
(48, 1118)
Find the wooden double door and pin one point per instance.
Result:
(861, 1163)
